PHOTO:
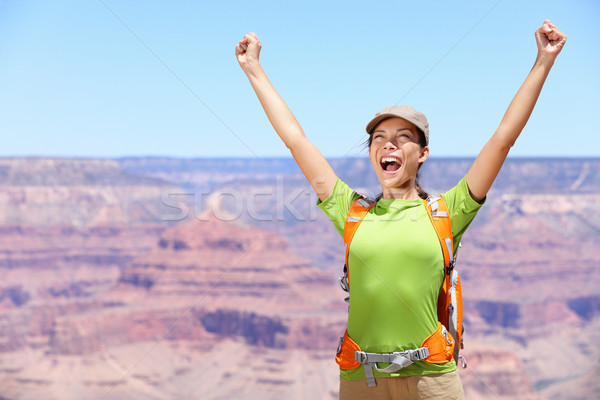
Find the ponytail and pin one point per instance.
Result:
(422, 142)
(422, 193)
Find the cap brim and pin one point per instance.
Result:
(375, 121)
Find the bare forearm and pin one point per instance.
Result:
(280, 116)
(489, 161)
(521, 106)
(315, 167)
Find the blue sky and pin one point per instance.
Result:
(107, 78)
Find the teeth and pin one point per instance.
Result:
(390, 159)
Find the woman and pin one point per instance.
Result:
(396, 263)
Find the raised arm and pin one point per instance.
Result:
(486, 166)
(315, 167)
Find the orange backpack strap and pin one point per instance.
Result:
(450, 297)
(358, 209)
(440, 218)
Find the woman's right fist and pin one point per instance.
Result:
(247, 50)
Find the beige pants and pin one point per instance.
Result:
(437, 386)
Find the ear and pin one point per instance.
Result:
(424, 154)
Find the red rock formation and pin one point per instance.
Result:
(212, 306)
(231, 266)
(212, 276)
(495, 372)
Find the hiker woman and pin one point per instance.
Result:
(395, 263)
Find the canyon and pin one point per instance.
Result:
(162, 278)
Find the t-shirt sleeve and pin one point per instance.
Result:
(462, 208)
(336, 206)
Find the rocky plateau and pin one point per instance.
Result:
(160, 278)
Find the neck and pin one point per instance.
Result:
(409, 193)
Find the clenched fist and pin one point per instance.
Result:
(247, 51)
(550, 41)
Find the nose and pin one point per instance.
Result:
(389, 145)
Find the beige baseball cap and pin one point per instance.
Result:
(405, 112)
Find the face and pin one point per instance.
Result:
(395, 153)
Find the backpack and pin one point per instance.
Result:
(445, 342)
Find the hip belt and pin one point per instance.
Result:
(437, 348)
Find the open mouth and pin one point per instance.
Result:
(390, 164)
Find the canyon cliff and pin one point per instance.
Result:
(167, 279)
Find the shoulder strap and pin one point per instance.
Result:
(358, 209)
(450, 297)
(440, 218)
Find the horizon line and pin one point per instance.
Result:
(280, 157)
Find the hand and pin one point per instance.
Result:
(247, 51)
(550, 41)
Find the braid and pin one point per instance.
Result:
(422, 193)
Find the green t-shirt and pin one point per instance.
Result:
(396, 271)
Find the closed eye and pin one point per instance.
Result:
(404, 137)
